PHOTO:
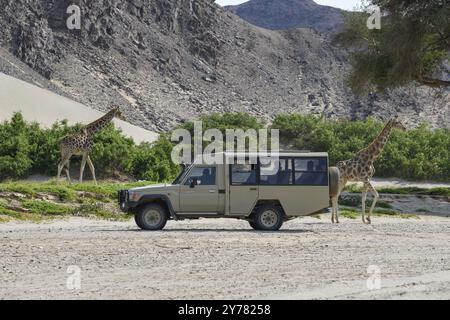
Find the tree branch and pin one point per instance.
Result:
(434, 82)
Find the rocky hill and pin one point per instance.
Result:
(288, 14)
(165, 61)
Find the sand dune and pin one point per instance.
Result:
(45, 107)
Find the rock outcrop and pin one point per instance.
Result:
(165, 61)
(289, 14)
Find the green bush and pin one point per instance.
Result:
(419, 154)
(225, 121)
(152, 162)
(26, 148)
(112, 153)
(14, 149)
(43, 207)
(44, 144)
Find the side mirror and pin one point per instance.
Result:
(193, 183)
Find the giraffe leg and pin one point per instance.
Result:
(376, 196)
(335, 201)
(59, 172)
(91, 167)
(335, 217)
(68, 171)
(62, 163)
(336, 211)
(332, 210)
(363, 202)
(83, 165)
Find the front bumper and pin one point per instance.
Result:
(124, 201)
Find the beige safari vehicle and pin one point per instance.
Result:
(266, 194)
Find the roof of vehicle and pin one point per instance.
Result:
(279, 154)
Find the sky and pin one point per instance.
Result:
(343, 4)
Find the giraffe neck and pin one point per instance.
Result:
(99, 124)
(376, 147)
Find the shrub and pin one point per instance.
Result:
(112, 153)
(26, 148)
(152, 162)
(14, 149)
(419, 154)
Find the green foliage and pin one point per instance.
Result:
(439, 191)
(87, 200)
(152, 162)
(349, 214)
(225, 121)
(413, 41)
(353, 214)
(68, 192)
(14, 148)
(419, 154)
(108, 190)
(355, 201)
(232, 121)
(26, 148)
(46, 208)
(44, 144)
(113, 153)
(95, 209)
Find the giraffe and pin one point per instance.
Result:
(361, 169)
(81, 144)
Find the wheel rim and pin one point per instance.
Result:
(152, 217)
(269, 218)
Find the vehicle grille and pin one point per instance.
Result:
(123, 196)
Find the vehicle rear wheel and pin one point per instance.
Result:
(151, 217)
(267, 218)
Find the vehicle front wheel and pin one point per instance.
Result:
(151, 217)
(252, 224)
(267, 218)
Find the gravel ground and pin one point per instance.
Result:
(309, 258)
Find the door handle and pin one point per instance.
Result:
(253, 189)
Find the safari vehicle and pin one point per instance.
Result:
(265, 194)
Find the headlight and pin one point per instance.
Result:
(133, 196)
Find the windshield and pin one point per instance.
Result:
(183, 172)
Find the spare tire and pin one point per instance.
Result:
(335, 176)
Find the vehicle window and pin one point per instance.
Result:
(183, 171)
(311, 171)
(205, 176)
(243, 174)
(276, 172)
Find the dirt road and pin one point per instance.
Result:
(309, 258)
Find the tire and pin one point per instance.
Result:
(151, 217)
(335, 176)
(267, 218)
(252, 224)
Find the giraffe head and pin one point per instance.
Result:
(117, 113)
(397, 124)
